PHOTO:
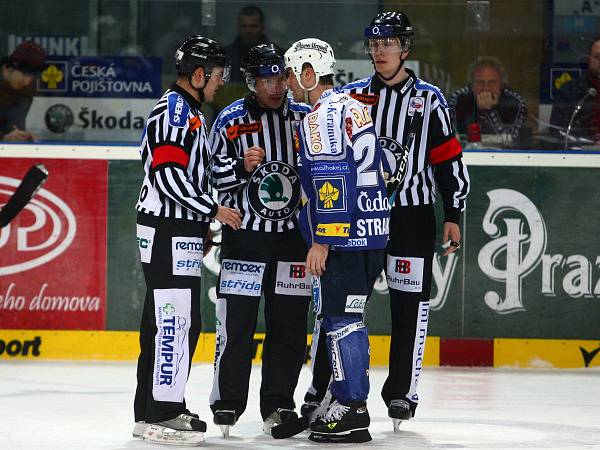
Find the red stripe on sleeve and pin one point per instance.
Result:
(444, 152)
(169, 154)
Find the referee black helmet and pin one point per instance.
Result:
(390, 24)
(200, 51)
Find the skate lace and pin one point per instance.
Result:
(336, 411)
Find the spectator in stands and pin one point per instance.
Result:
(17, 76)
(488, 101)
(586, 123)
(251, 27)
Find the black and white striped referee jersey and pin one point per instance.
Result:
(269, 197)
(435, 153)
(176, 156)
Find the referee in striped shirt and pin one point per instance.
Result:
(412, 118)
(412, 121)
(255, 171)
(174, 212)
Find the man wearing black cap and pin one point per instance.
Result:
(17, 74)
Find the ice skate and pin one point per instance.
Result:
(281, 415)
(314, 410)
(185, 429)
(311, 410)
(342, 423)
(398, 411)
(225, 418)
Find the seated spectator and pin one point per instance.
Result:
(17, 75)
(251, 27)
(586, 122)
(488, 101)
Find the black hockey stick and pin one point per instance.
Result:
(291, 428)
(33, 180)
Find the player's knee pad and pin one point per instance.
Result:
(348, 348)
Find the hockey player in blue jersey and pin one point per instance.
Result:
(345, 221)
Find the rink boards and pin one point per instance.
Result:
(123, 346)
(523, 291)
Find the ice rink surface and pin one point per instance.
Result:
(58, 405)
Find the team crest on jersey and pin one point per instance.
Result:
(236, 131)
(416, 105)
(273, 191)
(332, 194)
(400, 152)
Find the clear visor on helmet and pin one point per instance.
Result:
(227, 73)
(385, 38)
(221, 68)
(272, 85)
(222, 73)
(387, 45)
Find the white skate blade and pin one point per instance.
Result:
(396, 423)
(163, 435)
(225, 430)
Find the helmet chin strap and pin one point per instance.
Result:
(307, 90)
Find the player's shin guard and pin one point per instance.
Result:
(347, 418)
(348, 347)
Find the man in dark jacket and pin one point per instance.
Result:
(586, 122)
(251, 27)
(17, 76)
(488, 101)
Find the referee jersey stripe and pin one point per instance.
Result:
(274, 135)
(175, 158)
(392, 115)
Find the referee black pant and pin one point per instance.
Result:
(408, 271)
(255, 263)
(171, 253)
